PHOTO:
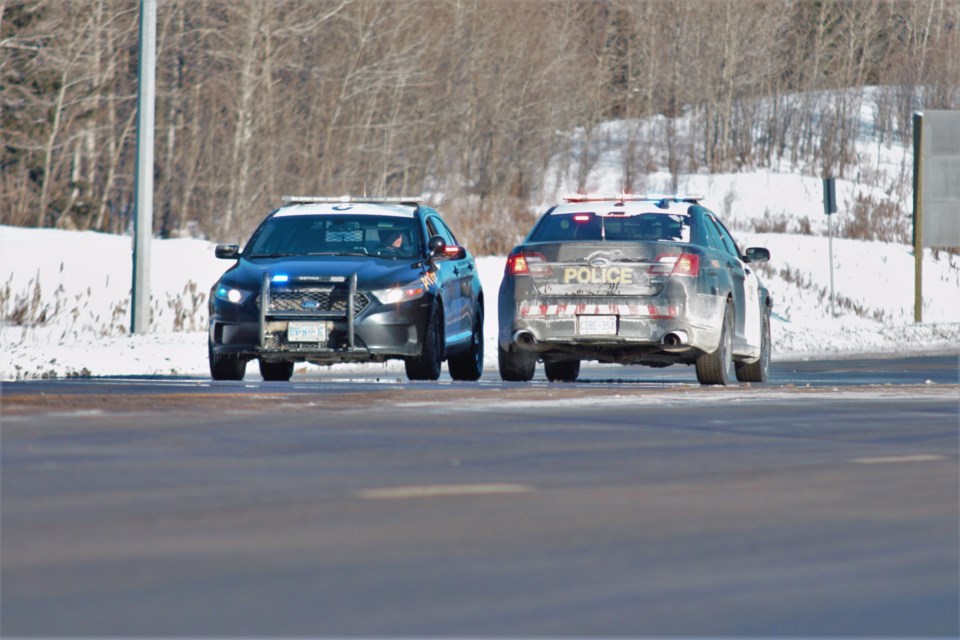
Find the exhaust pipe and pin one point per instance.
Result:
(525, 338)
(675, 341)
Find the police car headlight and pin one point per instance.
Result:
(230, 294)
(393, 295)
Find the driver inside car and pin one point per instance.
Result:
(393, 244)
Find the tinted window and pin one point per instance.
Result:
(728, 242)
(588, 226)
(713, 238)
(567, 227)
(443, 225)
(647, 226)
(436, 227)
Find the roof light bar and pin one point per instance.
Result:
(631, 197)
(349, 199)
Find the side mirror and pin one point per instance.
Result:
(757, 254)
(440, 250)
(436, 245)
(227, 251)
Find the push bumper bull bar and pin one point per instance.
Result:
(348, 314)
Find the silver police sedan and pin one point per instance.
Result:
(654, 280)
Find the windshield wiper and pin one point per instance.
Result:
(362, 252)
(270, 255)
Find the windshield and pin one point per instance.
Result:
(588, 226)
(384, 236)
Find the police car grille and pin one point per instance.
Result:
(315, 300)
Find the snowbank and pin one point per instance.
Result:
(66, 297)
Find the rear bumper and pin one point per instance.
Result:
(629, 331)
(676, 326)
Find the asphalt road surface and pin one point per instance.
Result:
(634, 502)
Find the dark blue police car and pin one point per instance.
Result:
(330, 280)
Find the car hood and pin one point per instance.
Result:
(372, 273)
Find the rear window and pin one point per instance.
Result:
(588, 226)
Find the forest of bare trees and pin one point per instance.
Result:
(465, 100)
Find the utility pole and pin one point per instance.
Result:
(918, 217)
(143, 207)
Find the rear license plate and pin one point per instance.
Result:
(597, 325)
(306, 332)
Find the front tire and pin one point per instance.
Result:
(717, 367)
(562, 371)
(469, 366)
(758, 371)
(276, 371)
(516, 366)
(226, 366)
(427, 365)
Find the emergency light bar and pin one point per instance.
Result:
(631, 197)
(348, 199)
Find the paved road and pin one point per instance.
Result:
(629, 504)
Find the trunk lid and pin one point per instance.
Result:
(584, 269)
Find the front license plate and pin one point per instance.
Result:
(306, 332)
(597, 325)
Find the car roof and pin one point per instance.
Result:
(347, 208)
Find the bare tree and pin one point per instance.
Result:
(471, 102)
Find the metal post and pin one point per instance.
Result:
(143, 220)
(830, 249)
(918, 217)
(264, 306)
(352, 292)
(830, 208)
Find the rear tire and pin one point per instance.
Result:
(758, 371)
(226, 366)
(427, 365)
(562, 371)
(276, 371)
(717, 367)
(469, 366)
(516, 366)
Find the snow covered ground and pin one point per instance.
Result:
(66, 299)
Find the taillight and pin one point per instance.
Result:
(517, 264)
(522, 263)
(688, 264)
(684, 264)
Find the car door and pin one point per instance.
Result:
(714, 279)
(451, 276)
(746, 293)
